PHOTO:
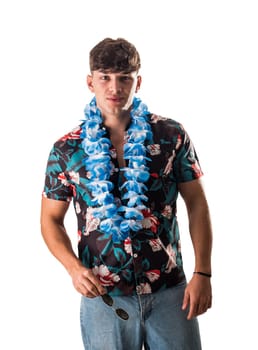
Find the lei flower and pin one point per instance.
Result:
(116, 220)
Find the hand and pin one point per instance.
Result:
(198, 296)
(86, 283)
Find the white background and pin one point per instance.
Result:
(199, 63)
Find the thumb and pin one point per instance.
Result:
(186, 300)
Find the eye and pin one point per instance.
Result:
(125, 78)
(104, 77)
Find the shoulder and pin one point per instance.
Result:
(68, 150)
(166, 127)
(70, 139)
(74, 134)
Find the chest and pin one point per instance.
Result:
(118, 141)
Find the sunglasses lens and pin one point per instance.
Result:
(107, 299)
(122, 314)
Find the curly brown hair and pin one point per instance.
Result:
(115, 55)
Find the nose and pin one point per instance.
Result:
(115, 86)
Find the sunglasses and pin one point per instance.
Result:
(108, 300)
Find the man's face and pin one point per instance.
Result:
(114, 91)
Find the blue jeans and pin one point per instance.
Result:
(155, 321)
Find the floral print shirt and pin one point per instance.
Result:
(149, 259)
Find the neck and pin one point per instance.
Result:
(115, 122)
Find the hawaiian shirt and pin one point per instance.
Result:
(150, 259)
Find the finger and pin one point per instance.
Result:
(85, 286)
(192, 311)
(95, 286)
(202, 307)
(91, 288)
(193, 308)
(205, 305)
(82, 286)
(85, 292)
(185, 300)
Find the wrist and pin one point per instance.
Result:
(205, 274)
(73, 266)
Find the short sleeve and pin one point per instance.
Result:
(186, 164)
(56, 184)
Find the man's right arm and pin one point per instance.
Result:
(58, 242)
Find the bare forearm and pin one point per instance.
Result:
(198, 293)
(201, 235)
(59, 244)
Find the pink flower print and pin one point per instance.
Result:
(153, 275)
(155, 246)
(158, 245)
(73, 135)
(79, 234)
(150, 221)
(92, 223)
(167, 212)
(75, 177)
(106, 277)
(169, 165)
(154, 149)
(128, 246)
(63, 179)
(171, 264)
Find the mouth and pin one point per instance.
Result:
(115, 99)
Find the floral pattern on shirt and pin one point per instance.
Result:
(149, 259)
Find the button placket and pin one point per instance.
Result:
(137, 271)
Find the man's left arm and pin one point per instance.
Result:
(198, 294)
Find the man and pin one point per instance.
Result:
(123, 168)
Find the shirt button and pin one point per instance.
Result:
(135, 255)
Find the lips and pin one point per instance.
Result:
(115, 99)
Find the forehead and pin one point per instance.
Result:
(111, 73)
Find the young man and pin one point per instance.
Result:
(123, 168)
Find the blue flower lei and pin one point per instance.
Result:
(117, 220)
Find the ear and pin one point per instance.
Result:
(89, 83)
(138, 84)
